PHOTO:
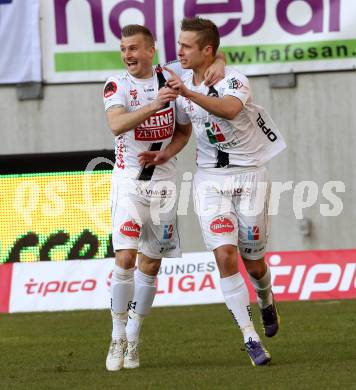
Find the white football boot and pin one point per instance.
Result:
(115, 358)
(131, 358)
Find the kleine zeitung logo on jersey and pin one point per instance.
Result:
(157, 127)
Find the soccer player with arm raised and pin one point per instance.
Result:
(140, 111)
(235, 138)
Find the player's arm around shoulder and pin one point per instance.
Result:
(225, 106)
(119, 118)
(234, 92)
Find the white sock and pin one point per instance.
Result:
(122, 286)
(133, 326)
(145, 291)
(263, 289)
(237, 301)
(119, 321)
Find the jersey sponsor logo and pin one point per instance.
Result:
(253, 233)
(110, 89)
(130, 229)
(120, 161)
(228, 145)
(150, 193)
(157, 127)
(222, 225)
(238, 191)
(214, 132)
(167, 232)
(269, 133)
(234, 83)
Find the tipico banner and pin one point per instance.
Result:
(193, 279)
(81, 39)
(20, 53)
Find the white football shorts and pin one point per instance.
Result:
(232, 206)
(143, 216)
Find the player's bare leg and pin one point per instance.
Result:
(122, 288)
(237, 301)
(260, 276)
(140, 307)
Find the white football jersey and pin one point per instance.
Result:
(155, 133)
(250, 139)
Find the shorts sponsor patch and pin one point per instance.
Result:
(253, 233)
(110, 89)
(222, 225)
(130, 229)
(167, 232)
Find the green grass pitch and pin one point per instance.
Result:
(196, 347)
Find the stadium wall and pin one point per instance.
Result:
(317, 119)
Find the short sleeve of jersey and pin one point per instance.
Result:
(114, 93)
(236, 84)
(181, 116)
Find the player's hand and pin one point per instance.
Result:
(164, 96)
(176, 83)
(215, 72)
(149, 158)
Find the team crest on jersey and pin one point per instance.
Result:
(222, 225)
(234, 83)
(110, 89)
(253, 233)
(214, 132)
(130, 229)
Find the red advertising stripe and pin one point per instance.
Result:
(5, 286)
(311, 275)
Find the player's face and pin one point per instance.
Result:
(189, 53)
(137, 55)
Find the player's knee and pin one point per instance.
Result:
(256, 268)
(226, 258)
(149, 266)
(125, 259)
